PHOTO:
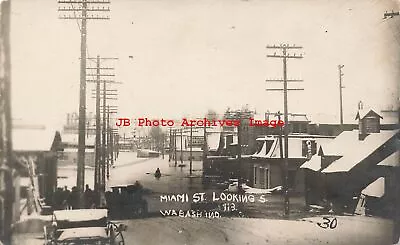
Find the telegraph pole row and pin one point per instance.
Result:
(285, 56)
(102, 130)
(82, 10)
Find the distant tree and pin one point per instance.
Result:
(211, 114)
(157, 136)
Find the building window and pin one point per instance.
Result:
(262, 177)
(255, 175)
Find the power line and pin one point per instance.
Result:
(81, 12)
(285, 56)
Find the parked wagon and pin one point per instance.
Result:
(83, 226)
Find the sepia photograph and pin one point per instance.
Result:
(199, 122)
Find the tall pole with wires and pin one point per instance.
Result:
(81, 10)
(100, 78)
(6, 154)
(285, 56)
(340, 67)
(396, 175)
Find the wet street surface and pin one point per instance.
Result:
(266, 225)
(174, 230)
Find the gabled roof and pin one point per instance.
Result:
(354, 150)
(361, 114)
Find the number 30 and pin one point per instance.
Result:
(329, 223)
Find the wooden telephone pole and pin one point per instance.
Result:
(340, 67)
(396, 175)
(101, 157)
(82, 10)
(285, 56)
(6, 154)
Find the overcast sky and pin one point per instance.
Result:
(193, 55)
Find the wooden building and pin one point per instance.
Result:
(351, 163)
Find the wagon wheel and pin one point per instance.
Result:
(116, 235)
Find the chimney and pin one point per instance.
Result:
(368, 122)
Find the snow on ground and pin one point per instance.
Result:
(355, 230)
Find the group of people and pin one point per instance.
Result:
(66, 199)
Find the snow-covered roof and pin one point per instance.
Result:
(78, 215)
(292, 117)
(75, 150)
(295, 145)
(26, 139)
(340, 143)
(376, 188)
(82, 233)
(392, 160)
(314, 163)
(72, 139)
(364, 112)
(354, 151)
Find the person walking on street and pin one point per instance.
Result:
(65, 198)
(88, 197)
(73, 198)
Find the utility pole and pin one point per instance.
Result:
(175, 147)
(285, 56)
(81, 10)
(340, 94)
(205, 145)
(170, 146)
(102, 157)
(191, 149)
(181, 146)
(109, 145)
(396, 176)
(6, 153)
(98, 131)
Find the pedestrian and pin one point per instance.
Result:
(88, 197)
(57, 199)
(157, 174)
(73, 198)
(65, 195)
